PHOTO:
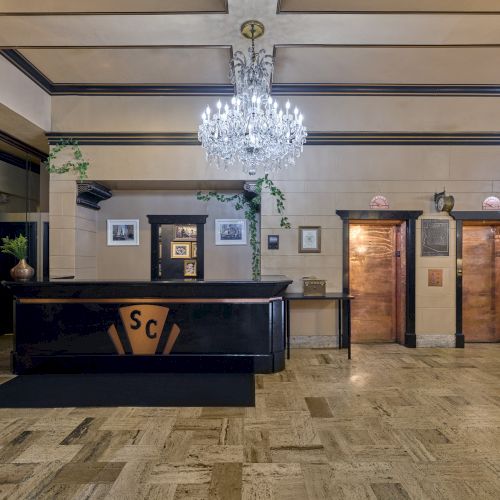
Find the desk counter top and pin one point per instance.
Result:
(266, 287)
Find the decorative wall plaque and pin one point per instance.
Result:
(491, 203)
(379, 202)
(434, 277)
(435, 238)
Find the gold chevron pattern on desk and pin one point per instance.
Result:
(392, 424)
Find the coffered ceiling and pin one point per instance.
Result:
(385, 6)
(50, 7)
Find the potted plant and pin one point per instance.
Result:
(18, 247)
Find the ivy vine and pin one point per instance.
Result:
(251, 206)
(77, 164)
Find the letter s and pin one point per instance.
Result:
(133, 317)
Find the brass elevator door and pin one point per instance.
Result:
(481, 283)
(375, 257)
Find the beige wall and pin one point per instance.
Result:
(133, 262)
(326, 179)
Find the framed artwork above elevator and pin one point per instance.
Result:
(477, 277)
(379, 270)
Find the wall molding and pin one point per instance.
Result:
(21, 146)
(278, 89)
(314, 138)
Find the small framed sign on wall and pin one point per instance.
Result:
(435, 238)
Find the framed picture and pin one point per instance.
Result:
(185, 232)
(230, 232)
(435, 238)
(190, 268)
(179, 250)
(309, 239)
(123, 232)
(194, 250)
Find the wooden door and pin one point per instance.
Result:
(373, 282)
(481, 283)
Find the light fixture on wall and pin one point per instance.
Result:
(253, 129)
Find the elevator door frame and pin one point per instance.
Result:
(410, 217)
(461, 217)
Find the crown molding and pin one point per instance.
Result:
(278, 89)
(314, 138)
(22, 146)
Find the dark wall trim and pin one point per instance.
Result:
(278, 89)
(362, 89)
(19, 162)
(461, 217)
(177, 219)
(410, 217)
(477, 215)
(22, 146)
(313, 138)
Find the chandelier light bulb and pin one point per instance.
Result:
(219, 105)
(270, 100)
(208, 111)
(287, 105)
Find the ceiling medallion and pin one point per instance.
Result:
(253, 129)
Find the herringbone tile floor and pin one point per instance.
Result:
(394, 423)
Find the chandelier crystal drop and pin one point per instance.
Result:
(252, 129)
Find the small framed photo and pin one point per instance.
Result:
(179, 250)
(273, 242)
(194, 250)
(190, 269)
(309, 239)
(230, 232)
(123, 232)
(185, 232)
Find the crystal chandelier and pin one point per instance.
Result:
(253, 129)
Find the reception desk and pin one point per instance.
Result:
(159, 326)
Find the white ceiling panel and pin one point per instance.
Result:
(153, 65)
(323, 6)
(403, 65)
(110, 6)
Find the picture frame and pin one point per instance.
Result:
(185, 232)
(309, 239)
(194, 250)
(123, 232)
(273, 242)
(230, 232)
(180, 250)
(190, 268)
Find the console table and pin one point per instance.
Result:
(344, 316)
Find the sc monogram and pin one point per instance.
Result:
(144, 327)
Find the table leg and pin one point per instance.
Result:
(348, 327)
(339, 305)
(287, 321)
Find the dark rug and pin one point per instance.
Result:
(128, 389)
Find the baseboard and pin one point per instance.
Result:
(459, 340)
(314, 341)
(410, 340)
(436, 340)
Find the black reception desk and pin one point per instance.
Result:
(142, 326)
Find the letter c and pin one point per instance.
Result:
(151, 335)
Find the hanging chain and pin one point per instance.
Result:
(252, 31)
